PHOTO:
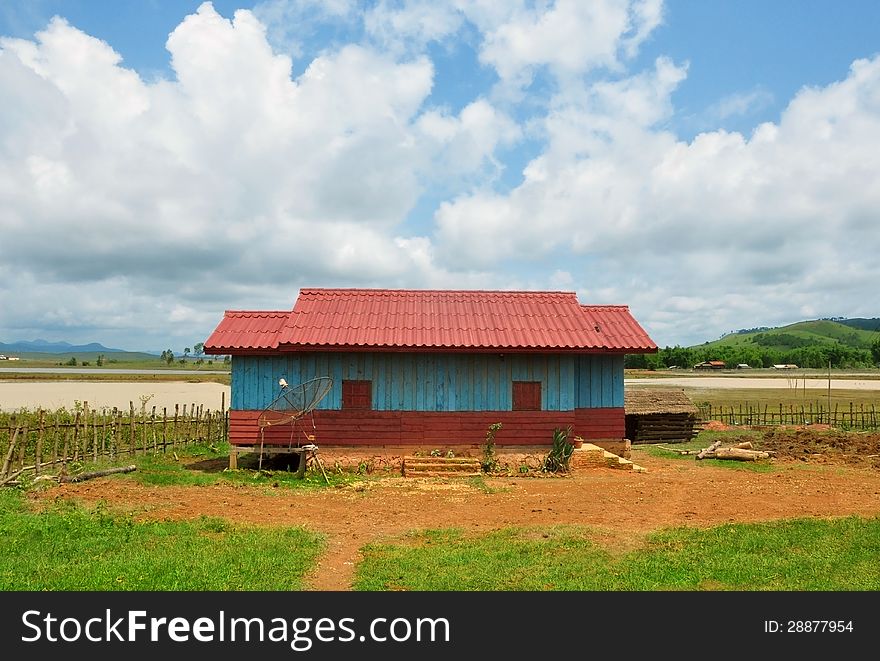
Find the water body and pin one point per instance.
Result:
(755, 383)
(50, 395)
(100, 370)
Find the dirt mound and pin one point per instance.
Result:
(828, 446)
(715, 425)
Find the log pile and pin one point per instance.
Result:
(738, 452)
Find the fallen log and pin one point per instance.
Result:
(707, 453)
(661, 447)
(740, 454)
(745, 445)
(99, 473)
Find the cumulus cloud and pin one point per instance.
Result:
(703, 235)
(133, 211)
(232, 173)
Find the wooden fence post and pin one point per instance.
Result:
(55, 442)
(85, 431)
(64, 451)
(9, 452)
(95, 436)
(75, 437)
(174, 427)
(22, 446)
(153, 428)
(131, 445)
(38, 452)
(117, 432)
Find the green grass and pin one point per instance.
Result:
(71, 548)
(205, 465)
(758, 398)
(798, 554)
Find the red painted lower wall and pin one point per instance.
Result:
(359, 428)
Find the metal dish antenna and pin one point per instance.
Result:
(293, 404)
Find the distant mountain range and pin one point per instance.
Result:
(42, 346)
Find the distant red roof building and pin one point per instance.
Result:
(432, 320)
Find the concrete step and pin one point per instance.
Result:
(441, 474)
(445, 460)
(440, 466)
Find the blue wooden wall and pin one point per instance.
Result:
(436, 382)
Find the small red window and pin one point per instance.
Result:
(526, 395)
(357, 395)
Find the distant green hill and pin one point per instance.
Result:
(801, 335)
(872, 324)
(812, 344)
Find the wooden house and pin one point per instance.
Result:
(422, 368)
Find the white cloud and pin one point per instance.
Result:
(397, 25)
(140, 209)
(234, 173)
(755, 227)
(569, 37)
(739, 104)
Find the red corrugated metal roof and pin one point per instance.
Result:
(247, 330)
(438, 320)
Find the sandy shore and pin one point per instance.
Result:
(721, 383)
(55, 394)
(15, 395)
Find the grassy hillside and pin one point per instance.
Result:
(811, 344)
(799, 335)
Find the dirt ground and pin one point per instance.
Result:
(620, 506)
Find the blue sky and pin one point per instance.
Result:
(706, 163)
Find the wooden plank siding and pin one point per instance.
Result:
(377, 428)
(436, 382)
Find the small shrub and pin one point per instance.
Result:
(490, 459)
(557, 460)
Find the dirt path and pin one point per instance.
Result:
(621, 506)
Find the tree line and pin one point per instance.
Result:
(197, 350)
(816, 356)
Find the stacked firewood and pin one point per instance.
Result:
(738, 452)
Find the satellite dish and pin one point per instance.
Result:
(291, 405)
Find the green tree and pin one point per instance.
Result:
(199, 348)
(875, 350)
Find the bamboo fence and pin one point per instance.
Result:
(849, 416)
(45, 441)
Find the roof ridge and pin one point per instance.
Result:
(367, 290)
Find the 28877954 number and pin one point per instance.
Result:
(808, 626)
